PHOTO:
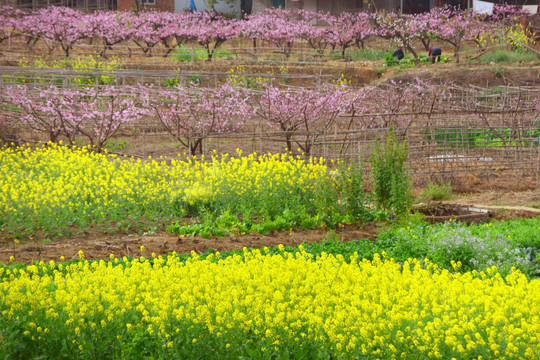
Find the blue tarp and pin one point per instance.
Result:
(192, 6)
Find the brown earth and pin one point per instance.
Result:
(482, 75)
(504, 204)
(98, 245)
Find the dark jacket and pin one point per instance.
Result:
(435, 53)
(398, 54)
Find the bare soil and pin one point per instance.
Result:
(98, 245)
(504, 204)
(501, 204)
(482, 75)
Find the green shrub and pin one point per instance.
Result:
(505, 245)
(389, 60)
(498, 71)
(437, 192)
(408, 62)
(390, 177)
(350, 184)
(172, 81)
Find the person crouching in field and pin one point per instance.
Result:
(435, 53)
(398, 54)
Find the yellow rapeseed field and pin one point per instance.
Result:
(267, 303)
(52, 187)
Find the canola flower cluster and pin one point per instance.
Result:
(263, 306)
(519, 38)
(80, 64)
(54, 187)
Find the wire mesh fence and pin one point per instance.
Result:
(485, 133)
(40, 77)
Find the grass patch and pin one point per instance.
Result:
(369, 54)
(506, 56)
(186, 54)
(437, 192)
(360, 54)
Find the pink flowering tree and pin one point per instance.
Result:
(111, 28)
(508, 14)
(349, 29)
(211, 30)
(308, 111)
(455, 26)
(9, 20)
(313, 29)
(364, 26)
(29, 28)
(183, 28)
(7, 121)
(153, 28)
(43, 110)
(398, 104)
(190, 114)
(64, 26)
(102, 111)
(279, 27)
(94, 113)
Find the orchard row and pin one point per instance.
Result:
(65, 28)
(190, 114)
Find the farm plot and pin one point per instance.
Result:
(321, 163)
(263, 305)
(55, 190)
(260, 303)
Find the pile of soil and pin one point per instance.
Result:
(439, 212)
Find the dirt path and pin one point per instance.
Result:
(97, 246)
(504, 204)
